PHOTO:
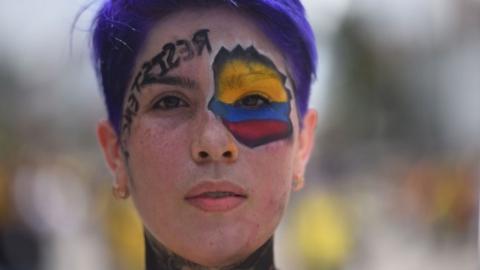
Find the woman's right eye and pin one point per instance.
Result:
(169, 103)
(254, 101)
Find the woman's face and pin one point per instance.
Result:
(210, 135)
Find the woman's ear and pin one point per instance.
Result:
(306, 141)
(112, 152)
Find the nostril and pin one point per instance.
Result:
(203, 154)
(227, 154)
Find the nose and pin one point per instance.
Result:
(213, 142)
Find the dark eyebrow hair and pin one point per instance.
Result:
(184, 82)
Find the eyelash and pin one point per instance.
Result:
(179, 102)
(265, 101)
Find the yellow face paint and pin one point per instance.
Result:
(240, 78)
(250, 97)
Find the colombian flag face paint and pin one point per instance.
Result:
(250, 97)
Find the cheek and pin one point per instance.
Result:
(157, 154)
(158, 165)
(274, 160)
(274, 170)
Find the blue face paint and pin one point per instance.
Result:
(250, 97)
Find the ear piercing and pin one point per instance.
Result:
(120, 193)
(298, 182)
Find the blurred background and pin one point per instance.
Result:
(392, 184)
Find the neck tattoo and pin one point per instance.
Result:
(159, 258)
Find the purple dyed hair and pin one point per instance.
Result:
(121, 27)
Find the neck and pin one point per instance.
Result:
(159, 257)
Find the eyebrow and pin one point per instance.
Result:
(183, 82)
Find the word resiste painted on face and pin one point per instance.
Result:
(171, 56)
(250, 96)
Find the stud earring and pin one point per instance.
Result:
(120, 193)
(298, 182)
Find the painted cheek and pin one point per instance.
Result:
(258, 132)
(255, 127)
(244, 73)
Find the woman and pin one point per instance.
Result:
(208, 126)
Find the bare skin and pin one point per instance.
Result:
(178, 157)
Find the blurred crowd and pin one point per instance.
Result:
(393, 182)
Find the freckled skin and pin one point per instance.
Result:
(160, 142)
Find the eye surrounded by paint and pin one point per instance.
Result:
(250, 96)
(253, 101)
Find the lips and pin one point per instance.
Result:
(216, 196)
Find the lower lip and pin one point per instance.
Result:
(216, 204)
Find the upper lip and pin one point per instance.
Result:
(214, 186)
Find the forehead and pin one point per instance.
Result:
(227, 28)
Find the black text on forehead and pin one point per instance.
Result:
(172, 55)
